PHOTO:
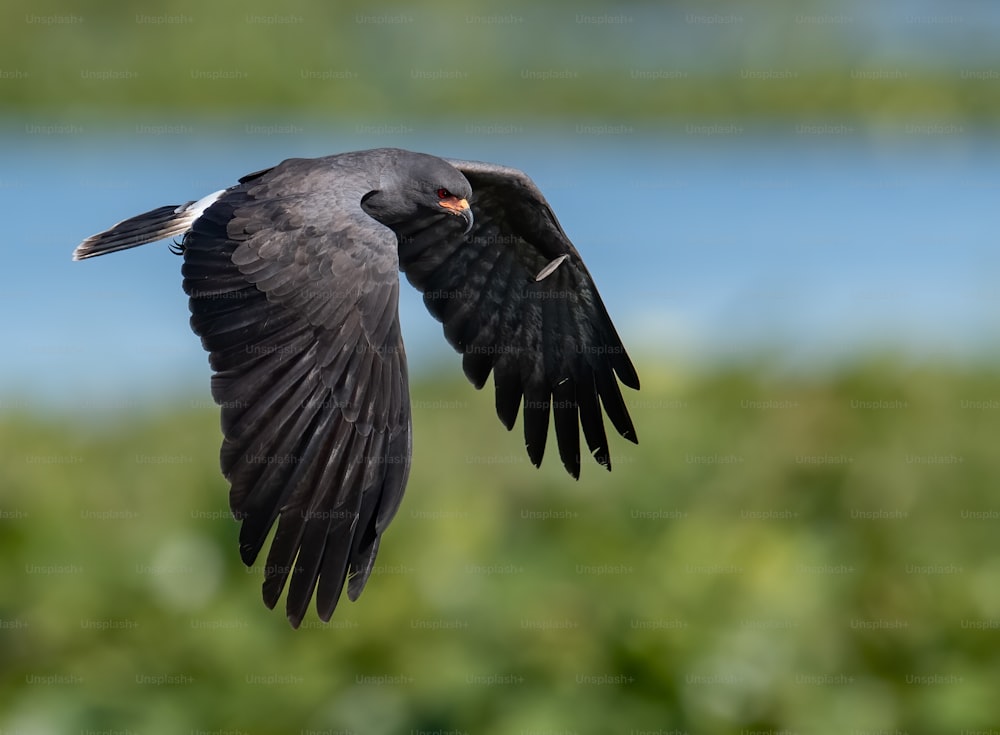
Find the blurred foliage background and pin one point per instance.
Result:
(645, 63)
(787, 550)
(777, 555)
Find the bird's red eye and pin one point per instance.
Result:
(443, 193)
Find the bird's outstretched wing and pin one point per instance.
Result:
(516, 300)
(295, 298)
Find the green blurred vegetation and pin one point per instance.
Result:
(779, 554)
(634, 64)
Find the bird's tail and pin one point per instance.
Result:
(150, 226)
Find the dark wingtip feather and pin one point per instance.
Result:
(602, 455)
(614, 405)
(249, 552)
(566, 414)
(508, 391)
(626, 371)
(477, 367)
(536, 424)
(356, 582)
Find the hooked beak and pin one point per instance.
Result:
(460, 207)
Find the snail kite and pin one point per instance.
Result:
(293, 282)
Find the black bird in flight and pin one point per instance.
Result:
(293, 282)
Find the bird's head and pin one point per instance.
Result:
(415, 186)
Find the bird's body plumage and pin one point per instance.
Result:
(293, 282)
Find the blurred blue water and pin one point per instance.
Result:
(705, 246)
